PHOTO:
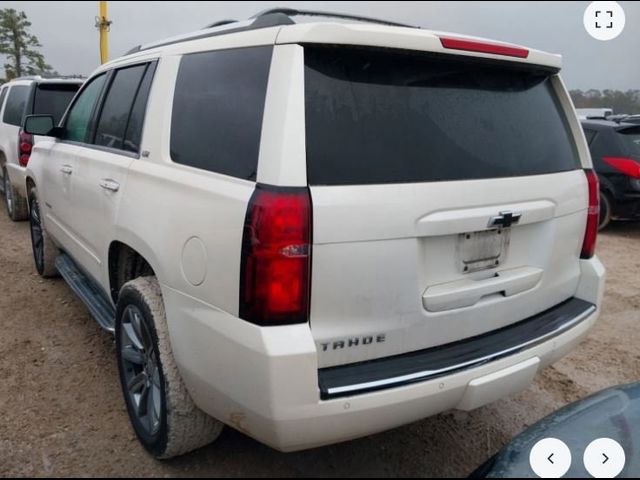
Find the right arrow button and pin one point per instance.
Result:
(604, 458)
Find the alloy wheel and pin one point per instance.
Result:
(141, 369)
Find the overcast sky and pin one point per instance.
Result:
(70, 39)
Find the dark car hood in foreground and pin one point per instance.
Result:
(613, 413)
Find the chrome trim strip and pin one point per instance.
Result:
(425, 374)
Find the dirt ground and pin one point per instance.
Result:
(62, 413)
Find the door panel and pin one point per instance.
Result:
(99, 178)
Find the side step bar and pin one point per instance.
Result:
(91, 294)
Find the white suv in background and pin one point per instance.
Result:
(18, 98)
(313, 232)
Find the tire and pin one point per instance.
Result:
(605, 211)
(43, 248)
(161, 411)
(17, 206)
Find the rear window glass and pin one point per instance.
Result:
(117, 106)
(53, 100)
(16, 105)
(631, 141)
(386, 116)
(589, 134)
(134, 128)
(217, 110)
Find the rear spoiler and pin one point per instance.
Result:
(628, 129)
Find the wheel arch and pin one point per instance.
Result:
(127, 260)
(30, 184)
(606, 186)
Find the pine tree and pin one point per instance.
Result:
(20, 46)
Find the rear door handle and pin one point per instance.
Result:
(468, 292)
(109, 184)
(66, 169)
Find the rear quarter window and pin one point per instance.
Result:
(387, 116)
(217, 110)
(589, 135)
(604, 144)
(16, 106)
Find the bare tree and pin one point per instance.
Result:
(621, 102)
(20, 46)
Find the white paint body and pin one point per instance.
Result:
(377, 250)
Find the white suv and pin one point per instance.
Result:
(313, 232)
(18, 98)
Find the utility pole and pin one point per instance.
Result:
(103, 24)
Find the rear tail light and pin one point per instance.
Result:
(593, 212)
(627, 166)
(483, 47)
(25, 144)
(276, 257)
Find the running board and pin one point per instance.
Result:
(91, 295)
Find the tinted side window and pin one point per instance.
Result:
(16, 105)
(77, 122)
(136, 119)
(217, 110)
(117, 106)
(589, 134)
(604, 145)
(3, 94)
(53, 99)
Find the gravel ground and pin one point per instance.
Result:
(63, 413)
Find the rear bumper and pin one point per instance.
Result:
(17, 176)
(265, 382)
(448, 359)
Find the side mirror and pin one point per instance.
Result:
(40, 125)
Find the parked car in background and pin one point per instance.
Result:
(313, 232)
(584, 113)
(635, 119)
(615, 152)
(18, 98)
(612, 414)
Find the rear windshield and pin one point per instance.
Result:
(631, 141)
(53, 99)
(387, 116)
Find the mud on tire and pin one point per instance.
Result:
(180, 425)
(44, 250)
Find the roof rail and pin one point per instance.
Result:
(223, 27)
(292, 12)
(221, 22)
(48, 77)
(268, 18)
